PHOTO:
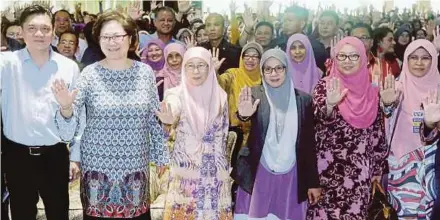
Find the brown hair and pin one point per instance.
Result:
(127, 23)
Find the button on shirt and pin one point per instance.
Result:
(28, 104)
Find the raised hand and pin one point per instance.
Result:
(134, 10)
(62, 94)
(245, 106)
(248, 18)
(184, 6)
(153, 5)
(436, 40)
(376, 73)
(190, 41)
(431, 107)
(215, 59)
(388, 92)
(334, 95)
(333, 43)
(233, 7)
(165, 115)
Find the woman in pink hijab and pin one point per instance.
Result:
(411, 178)
(350, 135)
(170, 74)
(199, 186)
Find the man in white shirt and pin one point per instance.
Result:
(36, 162)
(62, 22)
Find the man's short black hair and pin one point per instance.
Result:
(34, 10)
(165, 8)
(298, 11)
(62, 10)
(264, 23)
(362, 25)
(330, 13)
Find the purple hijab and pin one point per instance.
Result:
(305, 74)
(157, 66)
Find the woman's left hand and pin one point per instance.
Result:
(314, 195)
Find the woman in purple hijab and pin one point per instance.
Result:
(153, 55)
(301, 61)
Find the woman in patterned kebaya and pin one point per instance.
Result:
(199, 186)
(350, 134)
(121, 134)
(411, 179)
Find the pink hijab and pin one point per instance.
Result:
(171, 78)
(305, 74)
(202, 104)
(414, 89)
(359, 108)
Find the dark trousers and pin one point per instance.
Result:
(145, 216)
(29, 176)
(5, 205)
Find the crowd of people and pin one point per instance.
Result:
(293, 116)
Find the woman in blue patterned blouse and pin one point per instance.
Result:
(120, 134)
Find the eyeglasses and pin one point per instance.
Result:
(114, 38)
(424, 59)
(65, 42)
(269, 70)
(351, 57)
(34, 29)
(200, 67)
(249, 57)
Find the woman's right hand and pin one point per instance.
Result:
(165, 115)
(62, 94)
(245, 106)
(334, 94)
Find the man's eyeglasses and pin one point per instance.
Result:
(278, 69)
(114, 38)
(351, 57)
(200, 67)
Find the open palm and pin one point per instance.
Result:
(165, 115)
(215, 59)
(431, 107)
(388, 92)
(62, 94)
(334, 93)
(246, 107)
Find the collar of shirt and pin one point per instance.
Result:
(171, 41)
(26, 56)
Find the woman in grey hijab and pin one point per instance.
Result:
(280, 150)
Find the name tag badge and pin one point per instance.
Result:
(417, 119)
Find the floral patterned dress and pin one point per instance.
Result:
(347, 160)
(121, 136)
(199, 185)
